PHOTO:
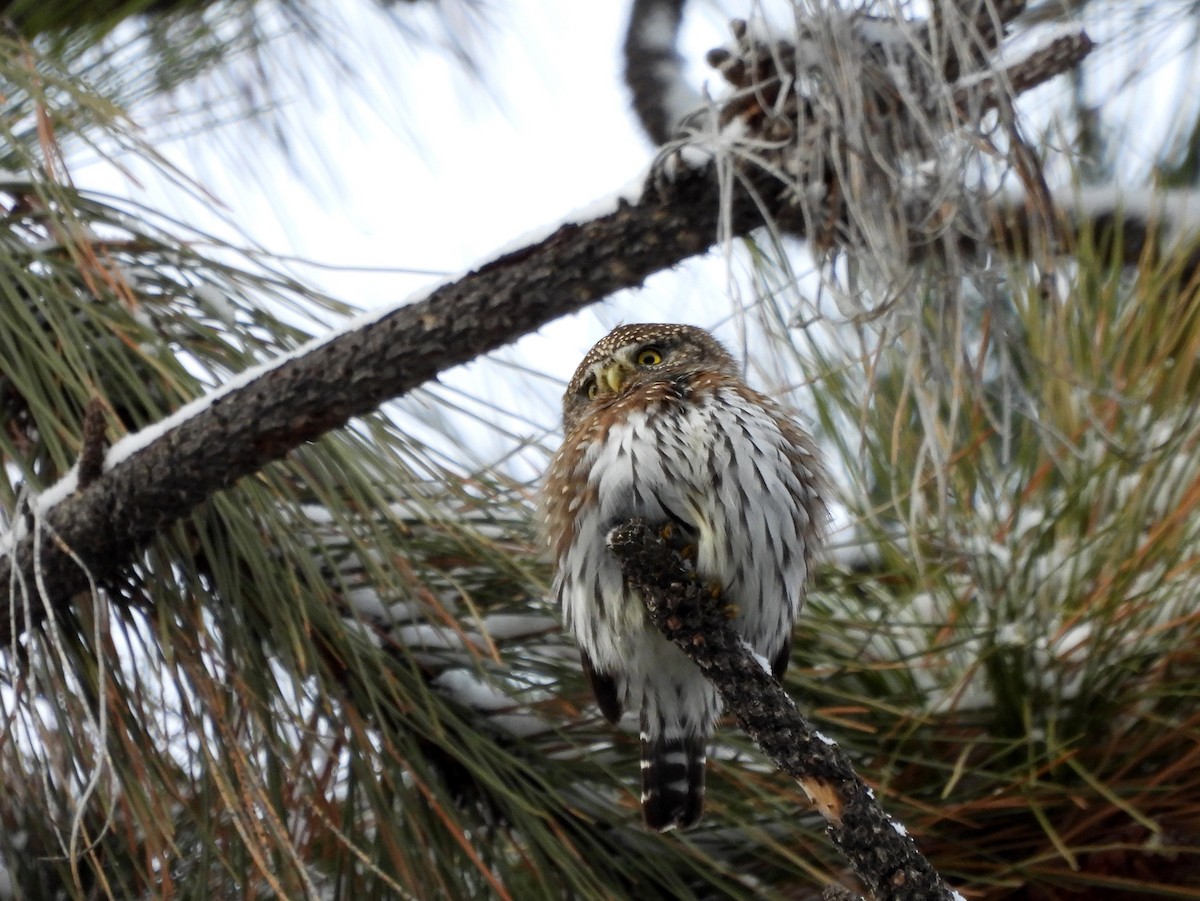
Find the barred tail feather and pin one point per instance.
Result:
(672, 781)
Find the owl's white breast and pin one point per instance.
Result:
(718, 462)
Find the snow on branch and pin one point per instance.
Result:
(75, 533)
(1129, 224)
(879, 849)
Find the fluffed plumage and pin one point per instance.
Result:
(658, 423)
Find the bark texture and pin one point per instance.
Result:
(105, 523)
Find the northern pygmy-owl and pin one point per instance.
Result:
(658, 423)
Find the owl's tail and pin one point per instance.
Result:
(672, 780)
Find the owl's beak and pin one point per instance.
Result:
(614, 375)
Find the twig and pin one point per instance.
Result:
(1063, 54)
(879, 850)
(974, 30)
(1126, 227)
(94, 443)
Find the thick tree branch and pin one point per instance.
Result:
(879, 850)
(106, 522)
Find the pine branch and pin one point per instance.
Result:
(1128, 226)
(103, 525)
(961, 32)
(879, 850)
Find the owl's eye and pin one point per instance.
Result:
(592, 390)
(649, 356)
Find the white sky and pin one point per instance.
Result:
(425, 170)
(432, 170)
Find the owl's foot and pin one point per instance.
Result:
(730, 611)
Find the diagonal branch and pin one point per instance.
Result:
(100, 528)
(879, 850)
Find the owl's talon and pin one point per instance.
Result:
(667, 532)
(731, 611)
(713, 589)
(688, 552)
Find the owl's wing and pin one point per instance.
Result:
(604, 687)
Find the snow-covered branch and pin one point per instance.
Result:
(75, 534)
(879, 849)
(1129, 224)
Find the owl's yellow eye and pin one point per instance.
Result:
(649, 356)
(592, 390)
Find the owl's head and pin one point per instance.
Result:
(633, 356)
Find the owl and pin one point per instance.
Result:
(658, 423)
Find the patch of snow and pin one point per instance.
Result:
(758, 658)
(1072, 645)
(369, 634)
(1012, 635)
(888, 32)
(435, 637)
(508, 626)
(472, 690)
(366, 603)
(318, 514)
(405, 611)
(689, 157)
(218, 302)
